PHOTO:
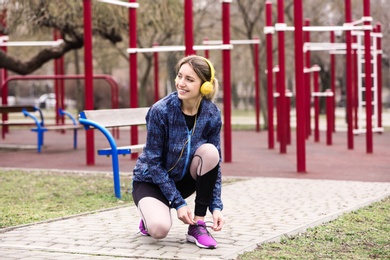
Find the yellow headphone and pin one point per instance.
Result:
(208, 87)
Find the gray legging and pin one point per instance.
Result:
(154, 207)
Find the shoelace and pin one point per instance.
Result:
(202, 229)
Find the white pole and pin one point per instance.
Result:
(180, 48)
(32, 43)
(116, 2)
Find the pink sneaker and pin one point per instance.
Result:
(199, 235)
(142, 228)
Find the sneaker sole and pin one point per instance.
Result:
(192, 239)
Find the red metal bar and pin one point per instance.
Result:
(307, 82)
(62, 88)
(282, 76)
(133, 71)
(288, 113)
(226, 82)
(278, 111)
(4, 92)
(88, 68)
(188, 28)
(300, 91)
(348, 57)
(110, 80)
(379, 79)
(56, 81)
(156, 86)
(329, 112)
(368, 77)
(257, 83)
(270, 87)
(316, 107)
(333, 84)
(355, 90)
(3, 74)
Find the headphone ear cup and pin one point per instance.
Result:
(206, 88)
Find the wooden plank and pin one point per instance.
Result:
(118, 117)
(15, 109)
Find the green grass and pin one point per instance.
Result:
(362, 234)
(28, 197)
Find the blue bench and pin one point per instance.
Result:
(105, 119)
(41, 128)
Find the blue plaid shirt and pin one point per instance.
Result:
(167, 133)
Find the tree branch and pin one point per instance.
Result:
(45, 55)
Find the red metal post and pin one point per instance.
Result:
(270, 86)
(368, 77)
(277, 98)
(333, 85)
(227, 128)
(379, 79)
(4, 73)
(281, 80)
(316, 106)
(355, 89)
(307, 82)
(257, 83)
(329, 118)
(288, 113)
(348, 57)
(133, 70)
(156, 87)
(62, 86)
(56, 81)
(300, 91)
(188, 28)
(88, 68)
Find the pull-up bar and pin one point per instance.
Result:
(116, 2)
(30, 43)
(282, 27)
(180, 48)
(234, 42)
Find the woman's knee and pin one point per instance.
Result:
(208, 151)
(158, 229)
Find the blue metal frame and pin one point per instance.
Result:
(74, 121)
(113, 152)
(40, 129)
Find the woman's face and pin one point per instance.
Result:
(187, 83)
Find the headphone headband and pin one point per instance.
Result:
(212, 71)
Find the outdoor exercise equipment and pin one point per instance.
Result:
(189, 49)
(301, 100)
(4, 43)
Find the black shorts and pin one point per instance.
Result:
(185, 186)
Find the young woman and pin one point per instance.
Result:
(182, 156)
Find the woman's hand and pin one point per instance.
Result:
(185, 215)
(218, 220)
